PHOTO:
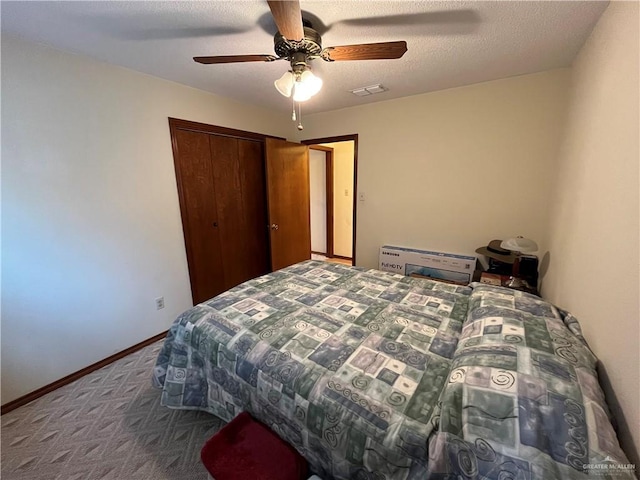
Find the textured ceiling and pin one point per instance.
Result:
(449, 43)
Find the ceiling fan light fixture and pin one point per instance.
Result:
(306, 86)
(299, 95)
(299, 43)
(284, 84)
(303, 85)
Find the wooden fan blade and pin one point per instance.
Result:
(288, 18)
(235, 59)
(365, 51)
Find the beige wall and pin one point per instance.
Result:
(593, 236)
(342, 197)
(454, 169)
(91, 230)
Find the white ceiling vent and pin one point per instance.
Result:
(363, 91)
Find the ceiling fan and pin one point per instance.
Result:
(298, 42)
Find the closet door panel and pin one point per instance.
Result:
(221, 180)
(237, 165)
(224, 154)
(199, 214)
(254, 203)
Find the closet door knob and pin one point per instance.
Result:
(274, 226)
(215, 224)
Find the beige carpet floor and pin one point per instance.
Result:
(108, 425)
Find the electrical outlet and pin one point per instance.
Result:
(361, 196)
(159, 303)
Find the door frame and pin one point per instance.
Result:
(344, 138)
(216, 130)
(328, 193)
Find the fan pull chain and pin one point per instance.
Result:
(300, 127)
(293, 113)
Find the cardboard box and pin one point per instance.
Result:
(444, 267)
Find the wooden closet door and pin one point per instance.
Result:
(254, 202)
(221, 179)
(194, 172)
(238, 173)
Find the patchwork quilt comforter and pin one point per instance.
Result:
(345, 364)
(372, 375)
(523, 400)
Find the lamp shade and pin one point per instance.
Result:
(306, 86)
(284, 84)
(303, 86)
(520, 244)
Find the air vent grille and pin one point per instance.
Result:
(370, 90)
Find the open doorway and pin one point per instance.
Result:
(332, 189)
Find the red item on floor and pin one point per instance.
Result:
(245, 449)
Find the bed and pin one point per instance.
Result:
(374, 375)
